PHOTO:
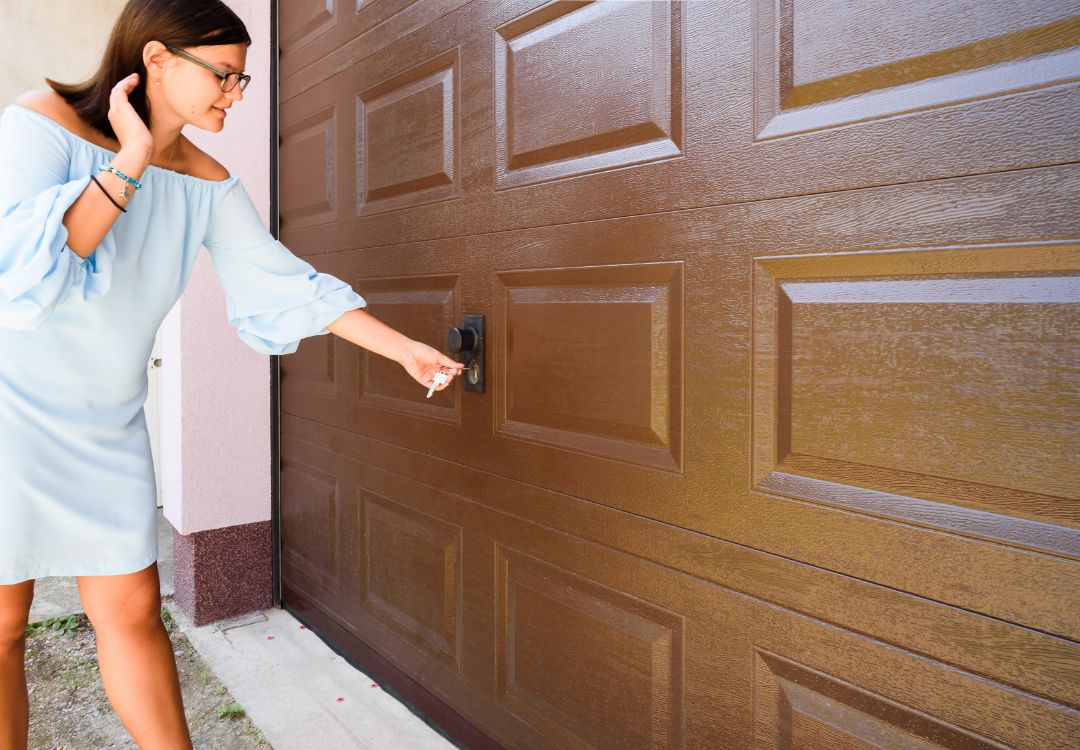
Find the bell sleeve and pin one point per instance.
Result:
(38, 269)
(273, 298)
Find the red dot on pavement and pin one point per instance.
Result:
(303, 627)
(269, 637)
(374, 685)
(340, 700)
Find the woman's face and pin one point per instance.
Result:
(190, 91)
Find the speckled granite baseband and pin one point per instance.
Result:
(223, 572)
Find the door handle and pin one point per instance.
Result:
(467, 343)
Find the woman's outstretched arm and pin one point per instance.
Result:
(419, 360)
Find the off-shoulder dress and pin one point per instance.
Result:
(77, 482)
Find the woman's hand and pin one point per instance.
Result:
(130, 130)
(422, 362)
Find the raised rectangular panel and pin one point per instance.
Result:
(306, 20)
(563, 641)
(818, 65)
(408, 137)
(590, 359)
(797, 708)
(584, 87)
(423, 308)
(312, 367)
(412, 571)
(307, 155)
(309, 533)
(938, 386)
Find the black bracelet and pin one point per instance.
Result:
(95, 179)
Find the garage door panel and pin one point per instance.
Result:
(309, 149)
(403, 167)
(1000, 209)
(778, 302)
(988, 578)
(313, 366)
(532, 596)
(566, 613)
(431, 608)
(531, 154)
(318, 530)
(568, 102)
(799, 707)
(407, 150)
(311, 525)
(612, 387)
(303, 22)
(409, 555)
(328, 373)
(412, 574)
(853, 684)
(978, 412)
(1019, 657)
(534, 155)
(559, 636)
(611, 454)
(422, 307)
(339, 35)
(559, 407)
(879, 690)
(860, 62)
(854, 85)
(827, 688)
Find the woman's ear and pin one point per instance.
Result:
(154, 58)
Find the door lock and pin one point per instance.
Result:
(467, 343)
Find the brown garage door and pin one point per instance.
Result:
(778, 440)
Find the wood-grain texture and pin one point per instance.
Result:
(779, 444)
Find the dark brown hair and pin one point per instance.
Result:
(181, 23)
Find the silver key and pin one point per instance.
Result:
(439, 379)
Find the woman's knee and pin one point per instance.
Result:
(15, 601)
(130, 600)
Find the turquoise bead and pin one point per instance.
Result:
(121, 175)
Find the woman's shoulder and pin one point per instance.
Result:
(206, 167)
(196, 162)
(50, 104)
(39, 101)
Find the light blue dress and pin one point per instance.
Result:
(77, 483)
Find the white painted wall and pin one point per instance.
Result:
(42, 38)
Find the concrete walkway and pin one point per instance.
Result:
(293, 687)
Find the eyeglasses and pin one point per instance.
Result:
(228, 80)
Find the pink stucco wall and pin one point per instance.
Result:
(216, 394)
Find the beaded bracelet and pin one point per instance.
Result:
(121, 175)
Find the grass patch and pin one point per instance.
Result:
(62, 625)
(232, 710)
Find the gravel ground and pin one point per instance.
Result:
(70, 711)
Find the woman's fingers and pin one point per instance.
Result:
(129, 127)
(125, 85)
(455, 369)
(428, 361)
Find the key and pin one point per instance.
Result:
(440, 378)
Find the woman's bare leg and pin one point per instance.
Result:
(15, 600)
(138, 667)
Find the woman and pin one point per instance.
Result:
(104, 206)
